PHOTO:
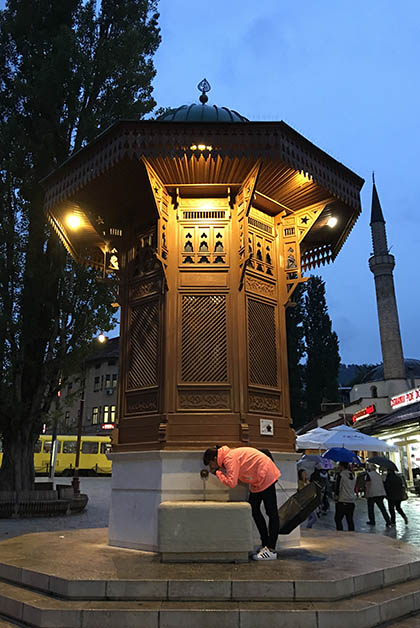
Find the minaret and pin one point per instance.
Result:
(382, 265)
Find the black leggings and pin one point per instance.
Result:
(268, 496)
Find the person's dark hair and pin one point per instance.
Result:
(210, 454)
(345, 465)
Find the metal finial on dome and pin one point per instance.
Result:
(204, 86)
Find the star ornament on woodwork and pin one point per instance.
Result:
(305, 220)
(204, 86)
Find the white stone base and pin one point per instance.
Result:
(205, 531)
(142, 480)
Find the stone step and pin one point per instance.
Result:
(5, 623)
(411, 621)
(365, 610)
(255, 584)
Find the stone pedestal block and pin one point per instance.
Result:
(205, 531)
(142, 480)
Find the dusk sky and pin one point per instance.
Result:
(344, 74)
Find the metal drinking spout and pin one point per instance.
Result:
(204, 474)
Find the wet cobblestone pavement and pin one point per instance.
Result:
(409, 533)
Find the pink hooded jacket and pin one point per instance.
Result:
(248, 465)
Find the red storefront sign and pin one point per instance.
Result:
(365, 412)
(411, 396)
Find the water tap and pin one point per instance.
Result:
(204, 474)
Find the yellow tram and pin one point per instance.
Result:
(93, 450)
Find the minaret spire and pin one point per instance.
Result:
(376, 212)
(382, 263)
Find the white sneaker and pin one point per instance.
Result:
(265, 554)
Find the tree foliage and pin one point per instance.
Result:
(296, 352)
(323, 358)
(314, 358)
(67, 71)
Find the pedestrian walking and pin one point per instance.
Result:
(253, 467)
(395, 493)
(375, 494)
(344, 496)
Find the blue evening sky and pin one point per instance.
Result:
(345, 74)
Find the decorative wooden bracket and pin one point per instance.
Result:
(244, 267)
(246, 192)
(164, 270)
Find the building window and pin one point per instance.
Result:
(114, 380)
(95, 416)
(113, 413)
(107, 380)
(373, 391)
(106, 414)
(97, 384)
(112, 362)
(98, 365)
(67, 416)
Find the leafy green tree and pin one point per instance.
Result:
(67, 70)
(313, 355)
(296, 352)
(323, 358)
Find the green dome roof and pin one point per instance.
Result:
(201, 113)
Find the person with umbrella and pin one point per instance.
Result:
(344, 496)
(394, 487)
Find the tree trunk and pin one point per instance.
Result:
(17, 470)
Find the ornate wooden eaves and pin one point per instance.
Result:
(292, 230)
(111, 171)
(272, 141)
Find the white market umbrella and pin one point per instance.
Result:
(312, 439)
(344, 436)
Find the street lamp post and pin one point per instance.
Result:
(76, 480)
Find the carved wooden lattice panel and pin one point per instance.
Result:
(204, 339)
(144, 345)
(262, 340)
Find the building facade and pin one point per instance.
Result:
(95, 394)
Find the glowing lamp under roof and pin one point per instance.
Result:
(73, 221)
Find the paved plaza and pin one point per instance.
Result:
(320, 557)
(97, 513)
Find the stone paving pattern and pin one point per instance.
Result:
(324, 556)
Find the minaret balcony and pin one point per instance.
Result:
(379, 264)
